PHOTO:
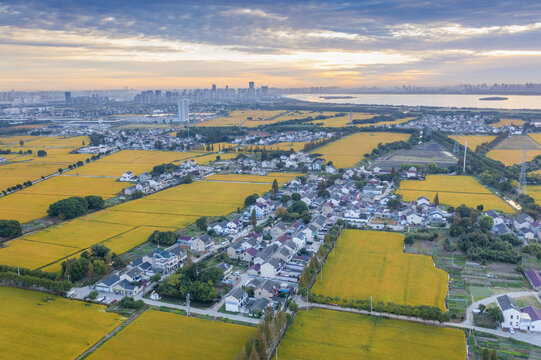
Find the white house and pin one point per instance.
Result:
(270, 268)
(235, 300)
(423, 201)
(511, 312)
(531, 319)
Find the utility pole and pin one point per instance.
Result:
(465, 152)
(188, 304)
(370, 305)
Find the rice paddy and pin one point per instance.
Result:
(453, 191)
(172, 336)
(475, 140)
(326, 334)
(348, 151)
(373, 263)
(127, 225)
(508, 122)
(36, 325)
(255, 118)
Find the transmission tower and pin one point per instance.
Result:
(456, 147)
(521, 186)
(428, 126)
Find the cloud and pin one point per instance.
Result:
(289, 42)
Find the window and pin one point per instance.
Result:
(511, 316)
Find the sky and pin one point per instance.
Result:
(61, 45)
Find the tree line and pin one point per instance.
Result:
(75, 206)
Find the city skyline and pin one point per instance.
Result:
(54, 45)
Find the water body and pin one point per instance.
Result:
(438, 100)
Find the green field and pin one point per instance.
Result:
(160, 335)
(35, 325)
(326, 334)
(372, 263)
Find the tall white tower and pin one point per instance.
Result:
(183, 111)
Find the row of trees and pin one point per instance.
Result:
(33, 282)
(262, 343)
(424, 312)
(75, 206)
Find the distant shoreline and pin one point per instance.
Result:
(336, 97)
(493, 98)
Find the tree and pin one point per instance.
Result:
(99, 250)
(495, 313)
(69, 208)
(494, 355)
(99, 267)
(250, 199)
(166, 238)
(253, 218)
(42, 153)
(296, 196)
(21, 142)
(93, 295)
(201, 223)
(436, 199)
(95, 202)
(485, 354)
(10, 229)
(297, 207)
(486, 223)
(285, 198)
(274, 187)
(137, 194)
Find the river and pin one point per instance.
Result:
(438, 100)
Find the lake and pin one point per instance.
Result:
(439, 100)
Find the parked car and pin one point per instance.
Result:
(511, 330)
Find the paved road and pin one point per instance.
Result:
(209, 312)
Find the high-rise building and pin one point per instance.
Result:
(251, 86)
(213, 87)
(67, 96)
(264, 90)
(183, 110)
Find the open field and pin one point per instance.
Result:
(535, 192)
(36, 325)
(348, 151)
(372, 263)
(474, 140)
(508, 122)
(341, 121)
(326, 334)
(281, 178)
(254, 118)
(127, 225)
(32, 202)
(423, 154)
(24, 167)
(185, 338)
(510, 151)
(453, 191)
(536, 137)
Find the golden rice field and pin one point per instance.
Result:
(508, 122)
(251, 118)
(281, 178)
(32, 202)
(24, 167)
(348, 151)
(341, 121)
(535, 192)
(36, 325)
(127, 225)
(326, 334)
(453, 191)
(373, 263)
(474, 140)
(172, 336)
(512, 157)
(536, 137)
(381, 123)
